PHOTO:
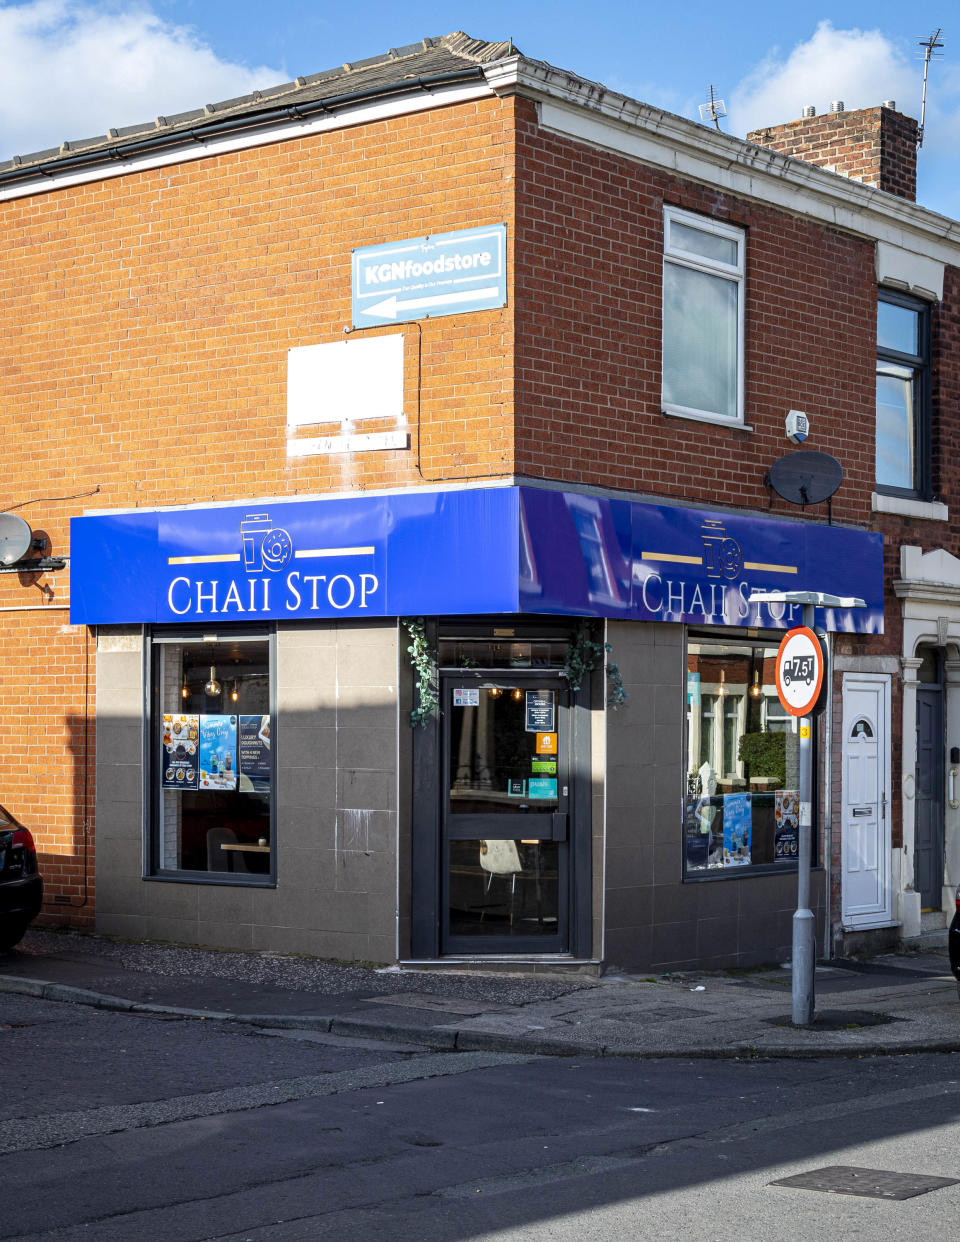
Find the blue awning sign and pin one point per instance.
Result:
(422, 277)
(484, 550)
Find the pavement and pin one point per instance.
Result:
(893, 1004)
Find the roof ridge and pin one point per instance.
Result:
(478, 50)
(457, 43)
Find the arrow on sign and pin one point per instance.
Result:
(391, 307)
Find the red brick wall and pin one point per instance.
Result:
(874, 145)
(146, 323)
(48, 702)
(589, 298)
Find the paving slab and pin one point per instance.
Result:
(888, 1006)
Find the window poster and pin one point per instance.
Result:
(542, 787)
(218, 752)
(254, 754)
(540, 711)
(180, 759)
(737, 828)
(786, 842)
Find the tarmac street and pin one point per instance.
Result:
(161, 1123)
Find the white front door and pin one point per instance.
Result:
(866, 896)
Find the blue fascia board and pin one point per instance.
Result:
(496, 550)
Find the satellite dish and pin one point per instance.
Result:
(805, 478)
(15, 538)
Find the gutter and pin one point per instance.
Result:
(181, 137)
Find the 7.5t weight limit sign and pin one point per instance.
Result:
(799, 671)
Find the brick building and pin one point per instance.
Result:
(454, 336)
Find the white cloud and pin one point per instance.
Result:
(73, 68)
(860, 67)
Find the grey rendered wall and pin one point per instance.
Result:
(652, 920)
(336, 738)
(119, 775)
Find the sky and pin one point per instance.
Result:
(73, 68)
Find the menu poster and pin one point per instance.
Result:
(737, 829)
(540, 711)
(179, 758)
(218, 752)
(255, 754)
(786, 843)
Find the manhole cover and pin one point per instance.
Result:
(845, 1179)
(442, 1004)
(839, 1020)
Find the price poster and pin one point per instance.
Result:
(179, 758)
(737, 829)
(218, 752)
(254, 753)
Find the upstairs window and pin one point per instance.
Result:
(703, 294)
(903, 396)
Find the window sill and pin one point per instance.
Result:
(716, 420)
(905, 506)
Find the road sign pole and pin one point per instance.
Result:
(804, 938)
(792, 671)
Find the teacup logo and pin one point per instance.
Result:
(265, 546)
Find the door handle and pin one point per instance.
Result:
(954, 801)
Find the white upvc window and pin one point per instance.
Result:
(703, 323)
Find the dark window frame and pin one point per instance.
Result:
(153, 638)
(920, 364)
(690, 875)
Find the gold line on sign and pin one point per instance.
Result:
(312, 552)
(213, 559)
(774, 569)
(671, 556)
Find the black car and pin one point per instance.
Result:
(21, 888)
(954, 942)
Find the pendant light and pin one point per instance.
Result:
(212, 687)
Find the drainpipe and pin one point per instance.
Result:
(828, 803)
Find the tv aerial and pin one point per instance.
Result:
(713, 109)
(931, 45)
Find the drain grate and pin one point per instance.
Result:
(845, 1179)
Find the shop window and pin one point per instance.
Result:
(742, 777)
(212, 758)
(903, 396)
(703, 293)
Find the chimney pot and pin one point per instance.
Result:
(837, 106)
(809, 110)
(891, 104)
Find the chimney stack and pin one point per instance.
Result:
(877, 146)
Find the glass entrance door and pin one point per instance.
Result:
(505, 814)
